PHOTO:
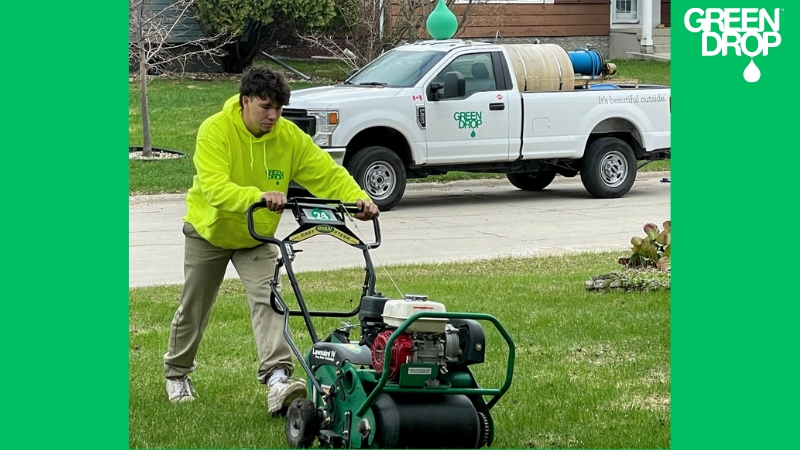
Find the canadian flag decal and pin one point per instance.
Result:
(416, 97)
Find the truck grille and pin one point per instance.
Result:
(301, 118)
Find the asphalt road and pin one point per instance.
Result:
(461, 220)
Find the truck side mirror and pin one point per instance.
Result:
(454, 85)
(434, 91)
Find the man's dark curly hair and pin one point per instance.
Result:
(262, 82)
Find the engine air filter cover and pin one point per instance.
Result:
(395, 312)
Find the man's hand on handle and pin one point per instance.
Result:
(275, 201)
(368, 210)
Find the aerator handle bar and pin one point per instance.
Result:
(381, 386)
(328, 218)
(300, 208)
(317, 216)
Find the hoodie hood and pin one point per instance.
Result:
(233, 111)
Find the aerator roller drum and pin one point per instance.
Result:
(406, 381)
(428, 421)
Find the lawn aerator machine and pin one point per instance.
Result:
(406, 382)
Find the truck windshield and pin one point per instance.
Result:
(396, 69)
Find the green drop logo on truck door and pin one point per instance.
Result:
(468, 119)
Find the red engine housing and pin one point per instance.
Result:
(402, 352)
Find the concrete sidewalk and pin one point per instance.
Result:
(434, 222)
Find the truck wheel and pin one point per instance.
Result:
(381, 173)
(608, 168)
(531, 181)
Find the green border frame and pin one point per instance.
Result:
(65, 186)
(65, 83)
(734, 324)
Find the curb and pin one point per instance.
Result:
(490, 182)
(504, 181)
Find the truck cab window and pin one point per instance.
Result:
(477, 69)
(396, 69)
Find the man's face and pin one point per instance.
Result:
(260, 114)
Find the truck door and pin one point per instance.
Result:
(473, 128)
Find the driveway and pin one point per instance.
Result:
(462, 220)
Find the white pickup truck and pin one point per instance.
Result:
(437, 106)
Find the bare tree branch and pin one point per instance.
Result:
(157, 44)
(370, 28)
(166, 47)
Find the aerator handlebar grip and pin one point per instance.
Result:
(353, 208)
(251, 224)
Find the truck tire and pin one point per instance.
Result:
(381, 173)
(608, 168)
(531, 181)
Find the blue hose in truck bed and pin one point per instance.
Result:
(586, 62)
(604, 87)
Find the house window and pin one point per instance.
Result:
(626, 10)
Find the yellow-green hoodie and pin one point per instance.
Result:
(234, 168)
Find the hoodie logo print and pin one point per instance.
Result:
(275, 175)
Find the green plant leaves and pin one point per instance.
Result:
(653, 250)
(651, 230)
(233, 16)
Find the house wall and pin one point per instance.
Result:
(560, 19)
(569, 23)
(186, 30)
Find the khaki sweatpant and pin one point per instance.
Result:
(204, 270)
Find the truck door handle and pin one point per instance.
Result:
(497, 106)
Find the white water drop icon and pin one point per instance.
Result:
(751, 73)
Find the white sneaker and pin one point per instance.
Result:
(180, 390)
(282, 393)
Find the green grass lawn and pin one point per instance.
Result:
(179, 105)
(648, 72)
(331, 70)
(592, 369)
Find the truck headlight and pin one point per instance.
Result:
(326, 123)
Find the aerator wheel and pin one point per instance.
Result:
(302, 425)
(485, 430)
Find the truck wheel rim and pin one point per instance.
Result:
(613, 169)
(379, 180)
